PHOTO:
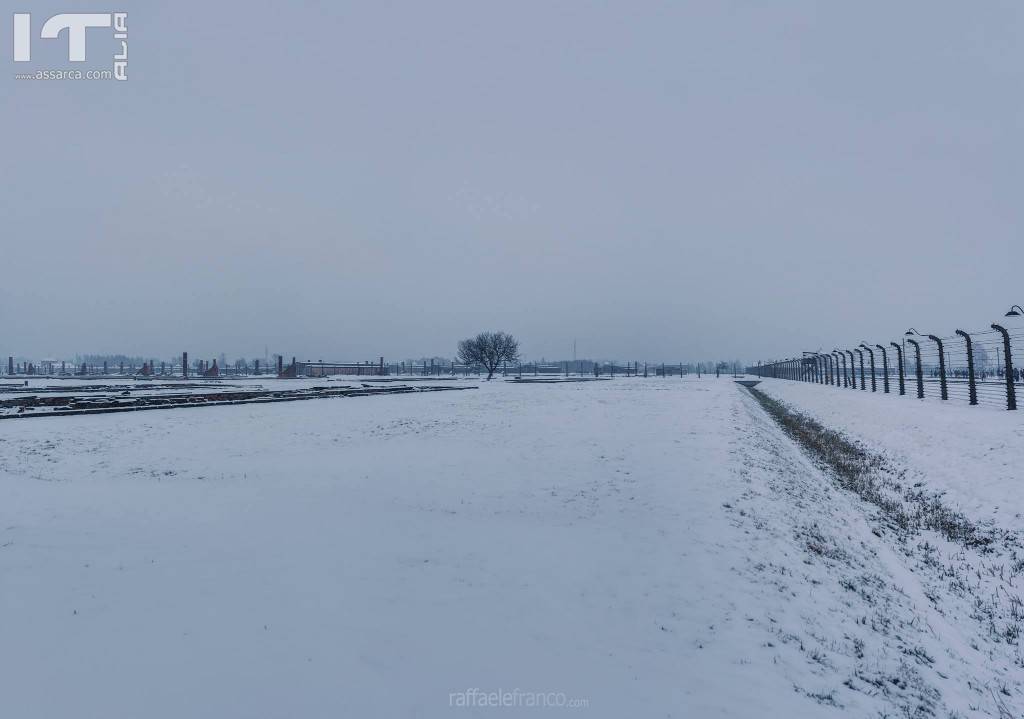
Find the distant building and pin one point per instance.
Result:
(326, 369)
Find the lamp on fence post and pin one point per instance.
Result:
(885, 369)
(871, 353)
(853, 371)
(861, 355)
(972, 388)
(1011, 392)
(899, 357)
(920, 373)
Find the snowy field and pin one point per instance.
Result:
(632, 548)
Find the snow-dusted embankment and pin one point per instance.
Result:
(973, 455)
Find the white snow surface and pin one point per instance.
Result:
(644, 547)
(972, 455)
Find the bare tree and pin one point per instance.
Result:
(489, 350)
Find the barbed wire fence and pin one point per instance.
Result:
(982, 367)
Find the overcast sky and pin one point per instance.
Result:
(663, 181)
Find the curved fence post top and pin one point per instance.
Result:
(972, 383)
(1011, 391)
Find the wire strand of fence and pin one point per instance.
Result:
(983, 367)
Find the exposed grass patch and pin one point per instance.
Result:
(908, 509)
(986, 567)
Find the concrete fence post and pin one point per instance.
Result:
(972, 388)
(944, 390)
(919, 371)
(860, 354)
(842, 357)
(899, 358)
(871, 354)
(885, 369)
(1011, 392)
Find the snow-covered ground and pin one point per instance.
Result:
(973, 455)
(634, 547)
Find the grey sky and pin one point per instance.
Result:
(664, 181)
